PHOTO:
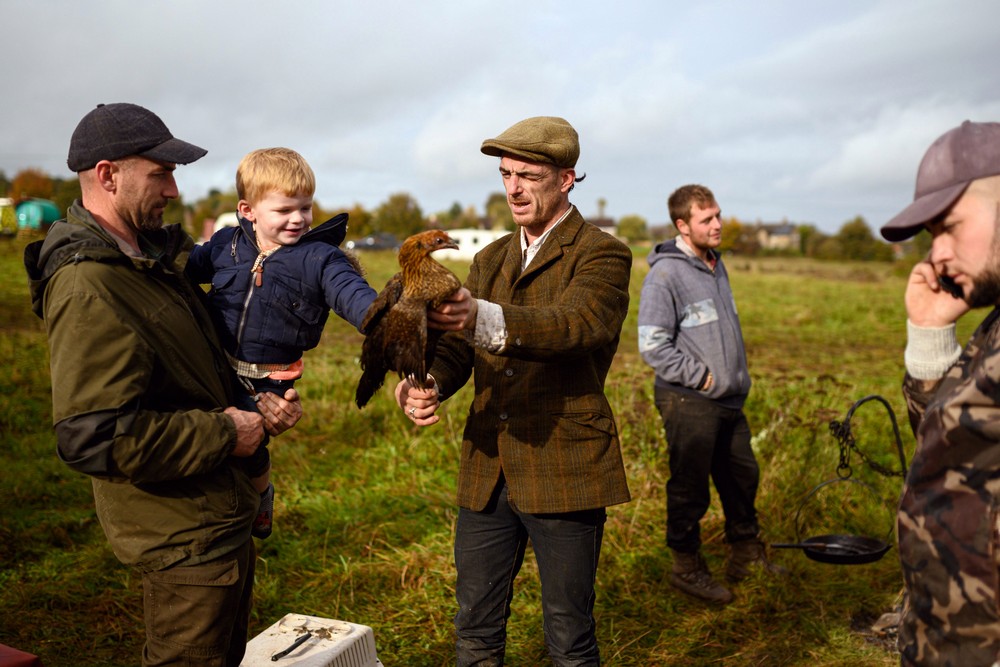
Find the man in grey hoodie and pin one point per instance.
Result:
(690, 334)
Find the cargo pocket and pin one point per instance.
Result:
(189, 610)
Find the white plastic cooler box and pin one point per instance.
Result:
(331, 643)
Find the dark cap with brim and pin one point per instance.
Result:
(115, 131)
(546, 139)
(957, 158)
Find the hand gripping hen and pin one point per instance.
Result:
(395, 327)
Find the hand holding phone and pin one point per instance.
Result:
(948, 285)
(932, 298)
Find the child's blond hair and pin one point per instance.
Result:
(267, 170)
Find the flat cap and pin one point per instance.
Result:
(547, 139)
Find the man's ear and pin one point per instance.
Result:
(106, 175)
(567, 179)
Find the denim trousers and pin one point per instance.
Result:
(259, 462)
(707, 441)
(489, 550)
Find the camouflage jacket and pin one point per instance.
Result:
(947, 523)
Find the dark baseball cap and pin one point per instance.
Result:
(545, 139)
(964, 154)
(114, 131)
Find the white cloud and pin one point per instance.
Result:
(886, 153)
(811, 112)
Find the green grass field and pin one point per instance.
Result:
(365, 509)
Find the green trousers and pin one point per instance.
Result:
(199, 615)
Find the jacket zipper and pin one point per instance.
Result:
(256, 280)
(243, 315)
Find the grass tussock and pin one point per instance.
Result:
(365, 512)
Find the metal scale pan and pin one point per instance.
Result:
(847, 549)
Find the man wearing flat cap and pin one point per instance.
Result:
(948, 523)
(141, 390)
(536, 325)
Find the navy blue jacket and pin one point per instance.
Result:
(275, 322)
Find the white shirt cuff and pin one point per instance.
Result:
(491, 328)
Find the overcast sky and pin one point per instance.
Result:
(812, 112)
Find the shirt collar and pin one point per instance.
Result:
(528, 252)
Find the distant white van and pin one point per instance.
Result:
(470, 241)
(228, 219)
(210, 226)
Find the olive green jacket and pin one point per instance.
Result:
(139, 384)
(539, 413)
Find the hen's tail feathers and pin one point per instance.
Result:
(370, 382)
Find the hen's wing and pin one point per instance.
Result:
(374, 363)
(385, 300)
(406, 339)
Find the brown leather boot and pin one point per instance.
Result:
(690, 575)
(747, 555)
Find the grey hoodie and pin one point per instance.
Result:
(688, 326)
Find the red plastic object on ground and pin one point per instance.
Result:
(11, 657)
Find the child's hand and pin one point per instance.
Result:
(280, 413)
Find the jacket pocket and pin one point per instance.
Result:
(580, 439)
(585, 422)
(224, 278)
(294, 318)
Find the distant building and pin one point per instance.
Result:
(604, 223)
(778, 236)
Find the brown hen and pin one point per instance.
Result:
(395, 327)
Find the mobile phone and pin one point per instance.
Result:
(949, 286)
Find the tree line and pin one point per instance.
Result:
(401, 215)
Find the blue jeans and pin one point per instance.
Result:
(706, 440)
(489, 550)
(260, 461)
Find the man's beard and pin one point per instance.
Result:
(151, 222)
(986, 286)
(143, 221)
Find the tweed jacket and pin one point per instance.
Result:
(539, 413)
